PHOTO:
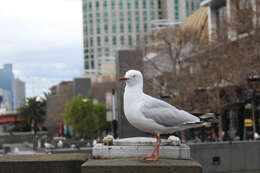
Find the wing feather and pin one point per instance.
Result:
(164, 113)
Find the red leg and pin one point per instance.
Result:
(155, 154)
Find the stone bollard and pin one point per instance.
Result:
(133, 165)
(124, 157)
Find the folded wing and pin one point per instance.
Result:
(165, 114)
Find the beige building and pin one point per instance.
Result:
(110, 25)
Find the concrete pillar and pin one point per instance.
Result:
(212, 23)
(231, 15)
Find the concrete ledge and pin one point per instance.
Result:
(172, 152)
(48, 163)
(133, 165)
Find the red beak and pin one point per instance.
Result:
(123, 78)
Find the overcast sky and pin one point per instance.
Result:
(43, 41)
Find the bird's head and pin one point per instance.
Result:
(132, 77)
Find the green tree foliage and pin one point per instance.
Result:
(85, 117)
(33, 111)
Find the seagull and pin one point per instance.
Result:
(152, 115)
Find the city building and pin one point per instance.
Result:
(223, 15)
(110, 25)
(19, 93)
(60, 95)
(12, 90)
(6, 84)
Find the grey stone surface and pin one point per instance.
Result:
(132, 165)
(234, 157)
(62, 163)
(146, 141)
(173, 152)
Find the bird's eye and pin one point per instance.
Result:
(134, 75)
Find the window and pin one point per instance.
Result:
(144, 3)
(122, 40)
(145, 27)
(122, 28)
(121, 4)
(105, 4)
(137, 28)
(137, 3)
(106, 28)
(106, 39)
(114, 28)
(152, 3)
(130, 41)
(86, 65)
(114, 40)
(159, 4)
(90, 6)
(98, 41)
(129, 27)
(91, 41)
(113, 4)
(98, 30)
(97, 5)
(129, 4)
(92, 64)
(176, 9)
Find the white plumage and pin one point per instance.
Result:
(152, 115)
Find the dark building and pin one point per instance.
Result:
(126, 60)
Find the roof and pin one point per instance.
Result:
(198, 21)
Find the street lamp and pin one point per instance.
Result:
(252, 81)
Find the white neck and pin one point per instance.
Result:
(132, 93)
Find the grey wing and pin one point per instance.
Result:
(165, 114)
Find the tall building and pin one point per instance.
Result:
(12, 91)
(6, 84)
(110, 25)
(19, 93)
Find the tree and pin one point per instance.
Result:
(85, 117)
(33, 111)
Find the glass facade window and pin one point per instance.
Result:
(91, 41)
(92, 64)
(144, 4)
(106, 28)
(98, 41)
(192, 6)
(114, 40)
(121, 4)
(129, 27)
(130, 41)
(97, 5)
(90, 6)
(86, 65)
(137, 3)
(113, 4)
(159, 4)
(122, 28)
(114, 28)
(152, 3)
(106, 39)
(176, 9)
(105, 4)
(137, 28)
(145, 27)
(129, 4)
(98, 30)
(187, 8)
(122, 40)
